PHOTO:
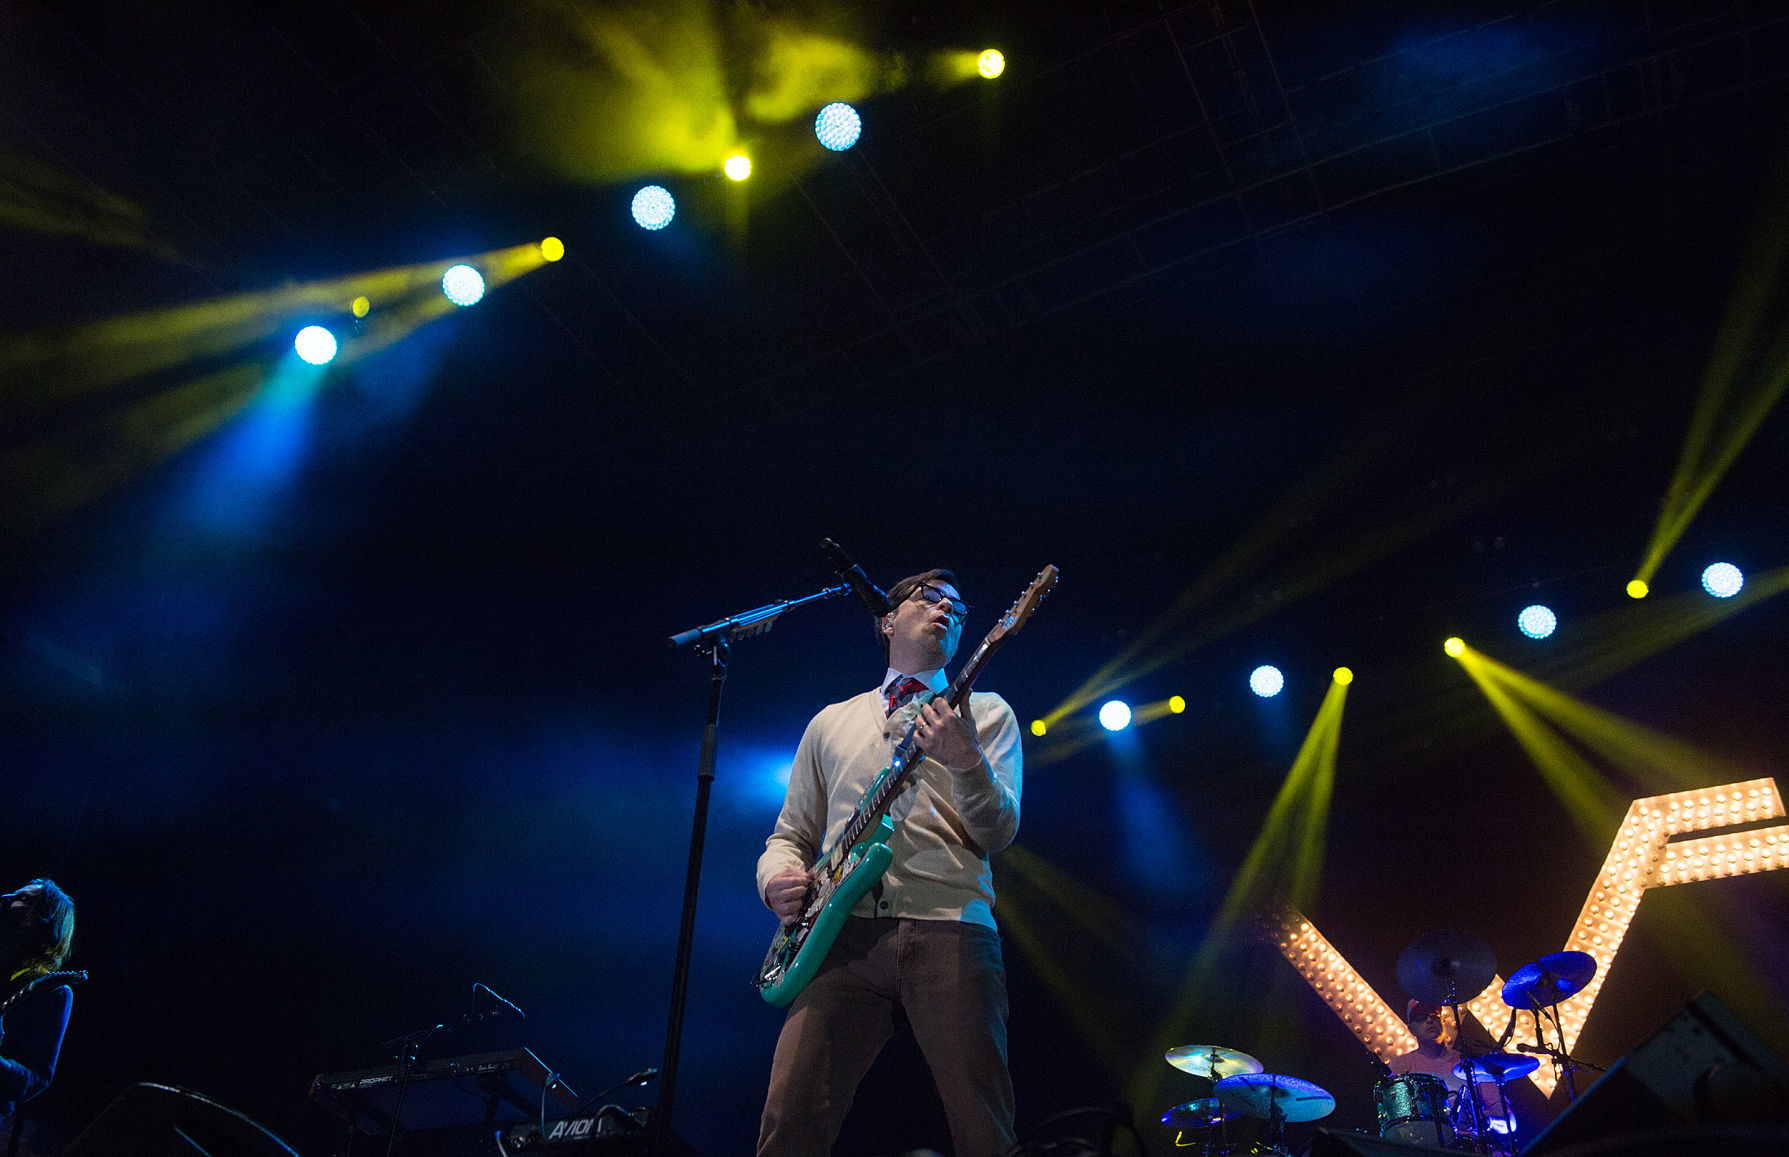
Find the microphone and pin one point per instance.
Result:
(867, 592)
(1541, 1050)
(498, 1006)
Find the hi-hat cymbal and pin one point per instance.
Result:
(1200, 1114)
(1257, 1094)
(1497, 1067)
(1426, 967)
(1214, 1061)
(1549, 980)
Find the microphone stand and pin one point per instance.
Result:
(716, 640)
(409, 1052)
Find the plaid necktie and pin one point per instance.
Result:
(901, 691)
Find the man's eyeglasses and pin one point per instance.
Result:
(959, 609)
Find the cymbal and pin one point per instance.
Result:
(1212, 1061)
(1498, 1067)
(1256, 1094)
(1549, 980)
(1425, 967)
(1199, 1114)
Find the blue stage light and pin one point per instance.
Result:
(463, 285)
(1266, 681)
(838, 126)
(654, 207)
(1537, 622)
(315, 345)
(1115, 715)
(1723, 580)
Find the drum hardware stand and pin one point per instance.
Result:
(1479, 1125)
(1276, 1121)
(1223, 1114)
(1506, 1142)
(1563, 1062)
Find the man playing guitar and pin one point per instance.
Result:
(920, 949)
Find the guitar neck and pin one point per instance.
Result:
(873, 805)
(876, 801)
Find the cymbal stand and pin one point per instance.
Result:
(1479, 1127)
(1223, 1117)
(1276, 1117)
(1506, 1141)
(1563, 1061)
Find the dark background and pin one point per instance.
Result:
(1338, 333)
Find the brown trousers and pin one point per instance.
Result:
(942, 977)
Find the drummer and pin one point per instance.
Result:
(1436, 1055)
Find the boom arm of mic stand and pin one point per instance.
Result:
(748, 623)
(715, 640)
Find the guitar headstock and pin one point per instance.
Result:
(1016, 615)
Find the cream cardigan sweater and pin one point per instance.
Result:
(946, 823)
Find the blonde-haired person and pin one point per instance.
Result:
(37, 932)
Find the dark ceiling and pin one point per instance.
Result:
(1288, 334)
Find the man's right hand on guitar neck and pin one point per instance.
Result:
(787, 893)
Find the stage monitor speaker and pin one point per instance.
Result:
(150, 1120)
(1703, 1069)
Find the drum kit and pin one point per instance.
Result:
(1440, 969)
(1243, 1089)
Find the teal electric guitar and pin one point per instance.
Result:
(858, 857)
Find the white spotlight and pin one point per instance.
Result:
(654, 207)
(1537, 622)
(838, 126)
(315, 345)
(1115, 715)
(1723, 580)
(1266, 681)
(463, 285)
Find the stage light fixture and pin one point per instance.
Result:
(654, 207)
(1344, 676)
(463, 285)
(1038, 728)
(1455, 647)
(1723, 580)
(990, 63)
(361, 307)
(1115, 715)
(1537, 622)
(315, 345)
(1266, 681)
(551, 249)
(1176, 705)
(738, 167)
(1637, 589)
(838, 126)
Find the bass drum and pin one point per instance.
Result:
(1414, 1108)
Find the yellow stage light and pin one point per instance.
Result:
(552, 249)
(1344, 676)
(738, 166)
(1637, 589)
(1455, 647)
(1038, 728)
(990, 63)
(361, 307)
(1176, 705)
